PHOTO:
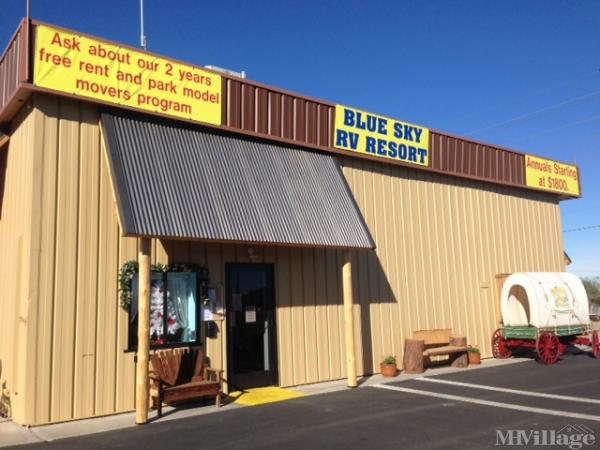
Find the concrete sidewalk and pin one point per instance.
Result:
(12, 434)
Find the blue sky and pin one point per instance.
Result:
(524, 75)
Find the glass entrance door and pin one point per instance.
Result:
(251, 341)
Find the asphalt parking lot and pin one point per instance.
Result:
(474, 409)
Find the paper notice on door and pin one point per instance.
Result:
(207, 314)
(250, 314)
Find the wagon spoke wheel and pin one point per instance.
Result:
(500, 348)
(548, 347)
(596, 344)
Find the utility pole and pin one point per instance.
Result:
(143, 42)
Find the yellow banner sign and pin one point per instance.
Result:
(370, 134)
(74, 64)
(551, 176)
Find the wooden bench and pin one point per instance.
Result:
(428, 343)
(182, 374)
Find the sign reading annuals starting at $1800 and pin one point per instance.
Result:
(67, 62)
(552, 176)
(382, 137)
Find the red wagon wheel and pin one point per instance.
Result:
(500, 348)
(548, 347)
(596, 344)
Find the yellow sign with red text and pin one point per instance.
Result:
(67, 62)
(552, 176)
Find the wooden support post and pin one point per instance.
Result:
(143, 350)
(349, 319)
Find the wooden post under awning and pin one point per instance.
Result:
(142, 388)
(349, 318)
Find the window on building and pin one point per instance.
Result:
(174, 310)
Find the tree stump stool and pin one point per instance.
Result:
(413, 355)
(459, 359)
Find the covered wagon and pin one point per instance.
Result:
(546, 312)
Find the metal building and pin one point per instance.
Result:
(266, 201)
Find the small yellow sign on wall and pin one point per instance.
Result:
(67, 62)
(552, 176)
(370, 134)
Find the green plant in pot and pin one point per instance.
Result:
(474, 355)
(388, 366)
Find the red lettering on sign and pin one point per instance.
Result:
(55, 59)
(72, 43)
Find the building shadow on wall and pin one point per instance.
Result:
(370, 286)
(314, 279)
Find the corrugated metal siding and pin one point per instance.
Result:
(13, 65)
(270, 112)
(440, 243)
(258, 109)
(76, 332)
(453, 155)
(177, 182)
(17, 256)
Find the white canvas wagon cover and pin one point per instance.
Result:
(544, 299)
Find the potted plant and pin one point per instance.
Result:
(388, 366)
(474, 355)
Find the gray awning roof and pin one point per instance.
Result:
(176, 181)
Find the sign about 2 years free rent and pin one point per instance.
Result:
(79, 65)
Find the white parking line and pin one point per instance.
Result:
(548, 412)
(512, 391)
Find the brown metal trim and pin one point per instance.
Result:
(28, 54)
(492, 145)
(12, 39)
(265, 112)
(15, 102)
(287, 141)
(13, 65)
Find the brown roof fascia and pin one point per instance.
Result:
(27, 88)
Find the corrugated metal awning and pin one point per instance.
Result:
(175, 181)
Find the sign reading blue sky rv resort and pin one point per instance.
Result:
(370, 134)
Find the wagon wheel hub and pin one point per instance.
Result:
(500, 348)
(548, 348)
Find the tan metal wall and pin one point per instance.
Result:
(16, 256)
(440, 240)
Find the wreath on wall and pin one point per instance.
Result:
(131, 267)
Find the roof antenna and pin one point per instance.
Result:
(143, 42)
(28, 10)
